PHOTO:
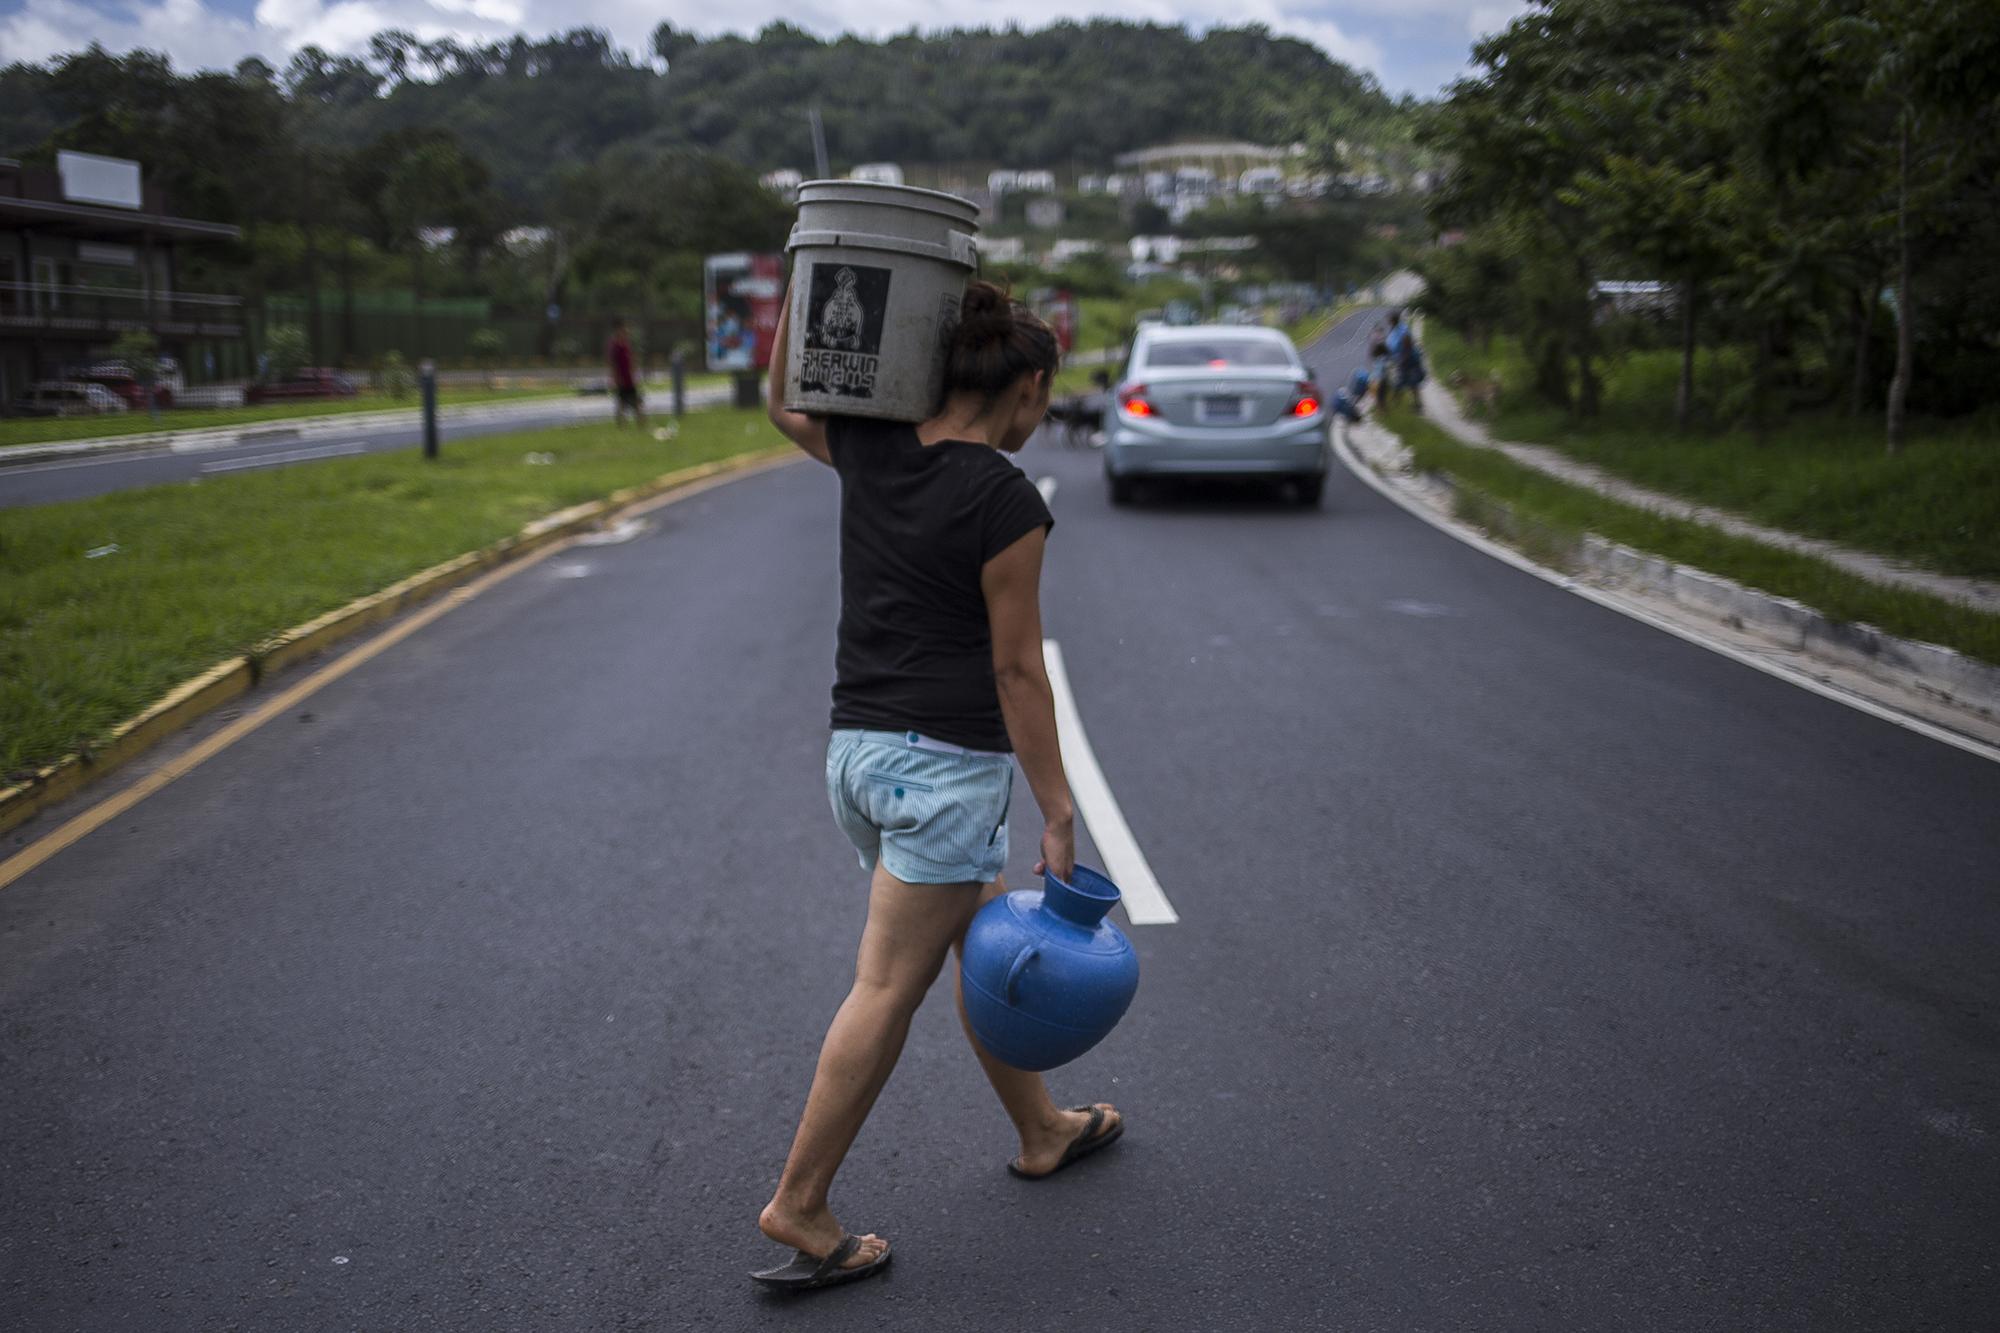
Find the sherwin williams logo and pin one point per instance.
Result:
(846, 309)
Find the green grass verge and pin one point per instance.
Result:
(1937, 503)
(1303, 331)
(206, 570)
(50, 430)
(1554, 514)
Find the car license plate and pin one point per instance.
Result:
(1219, 408)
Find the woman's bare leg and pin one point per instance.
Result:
(1045, 1129)
(910, 930)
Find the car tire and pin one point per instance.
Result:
(1311, 490)
(1121, 489)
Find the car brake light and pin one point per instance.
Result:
(1133, 402)
(1307, 402)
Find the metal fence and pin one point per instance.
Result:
(71, 310)
(359, 335)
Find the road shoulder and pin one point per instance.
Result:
(1936, 691)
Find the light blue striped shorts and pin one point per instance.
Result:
(932, 813)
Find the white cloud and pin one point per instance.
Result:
(188, 30)
(1361, 33)
(1481, 19)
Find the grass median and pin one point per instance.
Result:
(110, 602)
(55, 430)
(1937, 503)
(1555, 514)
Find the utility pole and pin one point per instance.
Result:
(819, 145)
(427, 381)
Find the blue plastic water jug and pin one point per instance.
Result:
(1045, 975)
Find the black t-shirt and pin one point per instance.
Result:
(917, 525)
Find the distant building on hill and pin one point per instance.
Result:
(1643, 297)
(1267, 181)
(1229, 159)
(1021, 182)
(1184, 178)
(785, 181)
(519, 240)
(881, 173)
(1002, 249)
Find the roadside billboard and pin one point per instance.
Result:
(1058, 305)
(741, 294)
(1064, 317)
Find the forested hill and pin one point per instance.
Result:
(1081, 92)
(1067, 95)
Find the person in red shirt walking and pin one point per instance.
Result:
(623, 382)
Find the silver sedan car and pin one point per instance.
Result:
(1216, 400)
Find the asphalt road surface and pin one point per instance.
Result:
(1534, 969)
(80, 478)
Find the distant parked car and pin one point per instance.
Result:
(313, 382)
(116, 377)
(1216, 401)
(67, 398)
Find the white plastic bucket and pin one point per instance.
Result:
(878, 272)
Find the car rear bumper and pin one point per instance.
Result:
(1160, 450)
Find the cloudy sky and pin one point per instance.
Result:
(1412, 46)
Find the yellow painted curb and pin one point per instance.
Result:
(196, 698)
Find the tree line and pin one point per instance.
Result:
(342, 168)
(1816, 181)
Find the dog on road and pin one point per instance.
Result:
(1081, 415)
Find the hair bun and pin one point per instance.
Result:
(995, 341)
(983, 300)
(985, 315)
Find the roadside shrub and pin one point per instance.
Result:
(288, 348)
(140, 350)
(397, 379)
(486, 346)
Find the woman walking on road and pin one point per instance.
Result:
(939, 683)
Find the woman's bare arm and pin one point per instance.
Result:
(807, 432)
(1012, 583)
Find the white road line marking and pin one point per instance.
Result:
(1145, 903)
(1047, 486)
(1788, 674)
(287, 456)
(121, 456)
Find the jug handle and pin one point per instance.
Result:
(1021, 962)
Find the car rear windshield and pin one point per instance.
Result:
(1218, 352)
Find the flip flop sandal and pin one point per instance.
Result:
(1080, 1147)
(808, 1273)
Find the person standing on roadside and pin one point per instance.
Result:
(939, 686)
(1407, 359)
(624, 383)
(1378, 362)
